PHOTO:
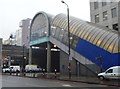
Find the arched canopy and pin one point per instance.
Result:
(40, 26)
(95, 34)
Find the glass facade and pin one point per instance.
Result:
(39, 27)
(79, 29)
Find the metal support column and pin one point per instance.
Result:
(30, 55)
(48, 57)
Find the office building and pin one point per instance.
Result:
(106, 13)
(25, 25)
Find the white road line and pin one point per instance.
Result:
(66, 85)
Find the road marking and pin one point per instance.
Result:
(66, 85)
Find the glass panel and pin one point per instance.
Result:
(95, 5)
(98, 37)
(109, 41)
(97, 18)
(53, 29)
(61, 34)
(77, 29)
(58, 21)
(57, 33)
(94, 35)
(91, 34)
(102, 38)
(75, 41)
(115, 50)
(81, 29)
(85, 30)
(105, 16)
(65, 40)
(64, 24)
(105, 40)
(88, 32)
(114, 12)
(74, 26)
(111, 46)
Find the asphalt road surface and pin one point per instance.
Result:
(19, 82)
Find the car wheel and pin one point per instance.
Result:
(101, 78)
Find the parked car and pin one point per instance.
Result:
(32, 68)
(111, 73)
(15, 69)
(12, 69)
(6, 70)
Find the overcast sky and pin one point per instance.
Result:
(13, 11)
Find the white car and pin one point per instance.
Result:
(15, 68)
(6, 70)
(32, 68)
(11, 69)
(111, 73)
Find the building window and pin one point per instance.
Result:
(95, 5)
(97, 18)
(115, 27)
(105, 15)
(112, 1)
(107, 26)
(104, 3)
(114, 12)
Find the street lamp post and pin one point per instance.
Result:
(69, 66)
(23, 63)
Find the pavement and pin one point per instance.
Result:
(74, 78)
(91, 80)
(84, 79)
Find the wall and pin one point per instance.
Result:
(91, 51)
(64, 64)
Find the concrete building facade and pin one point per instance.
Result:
(106, 13)
(21, 36)
(18, 37)
(25, 25)
(14, 55)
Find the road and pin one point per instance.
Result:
(14, 81)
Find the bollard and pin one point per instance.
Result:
(43, 72)
(17, 72)
(34, 72)
(10, 71)
(55, 73)
(69, 73)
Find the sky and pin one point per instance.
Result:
(13, 11)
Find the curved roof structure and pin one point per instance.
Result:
(40, 26)
(94, 34)
(87, 39)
